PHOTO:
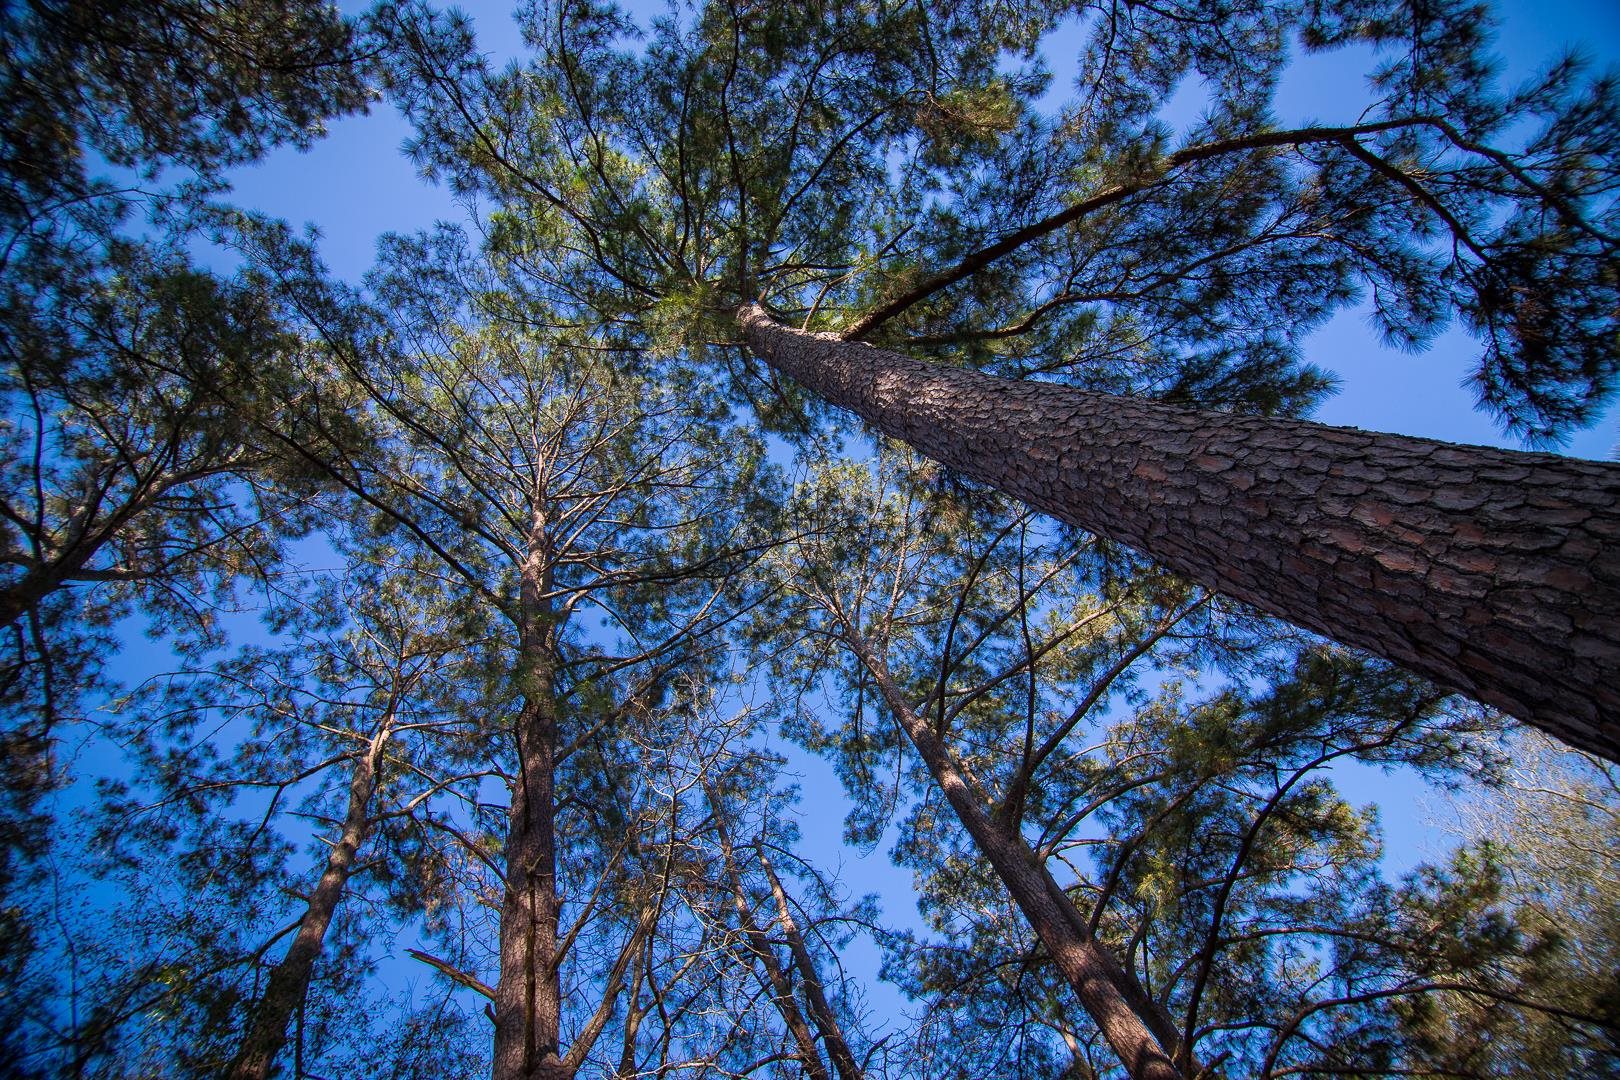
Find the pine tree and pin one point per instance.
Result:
(213, 939)
(122, 482)
(1029, 710)
(1480, 569)
(587, 511)
(848, 167)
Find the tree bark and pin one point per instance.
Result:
(832, 1034)
(528, 996)
(25, 595)
(758, 944)
(289, 982)
(1103, 987)
(1495, 573)
(633, 1013)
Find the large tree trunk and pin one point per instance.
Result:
(1106, 991)
(1495, 573)
(528, 998)
(289, 982)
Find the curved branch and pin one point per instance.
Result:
(972, 263)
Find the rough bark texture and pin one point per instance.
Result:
(1495, 573)
(528, 999)
(1097, 980)
(289, 982)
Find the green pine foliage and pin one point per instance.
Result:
(528, 463)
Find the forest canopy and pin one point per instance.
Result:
(824, 437)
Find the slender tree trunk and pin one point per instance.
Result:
(528, 997)
(1103, 987)
(289, 982)
(633, 1013)
(758, 944)
(831, 1033)
(1495, 573)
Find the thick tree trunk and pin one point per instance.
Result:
(1495, 573)
(528, 997)
(289, 982)
(1103, 987)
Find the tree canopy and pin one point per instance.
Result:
(803, 393)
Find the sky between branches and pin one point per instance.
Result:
(355, 185)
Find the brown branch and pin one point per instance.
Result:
(454, 974)
(826, 1022)
(972, 263)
